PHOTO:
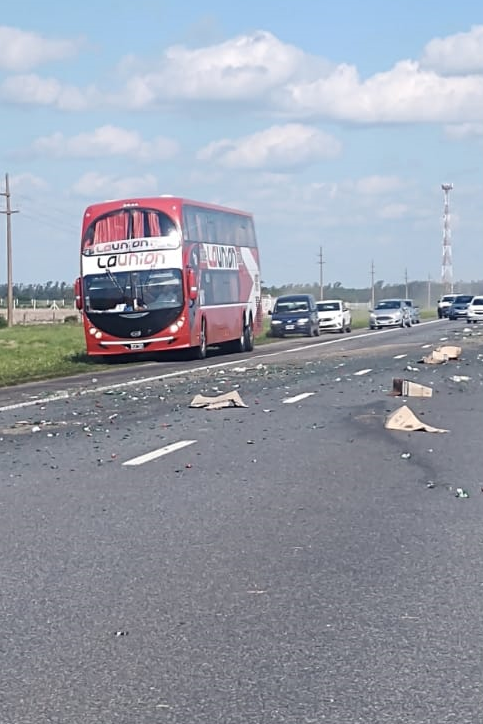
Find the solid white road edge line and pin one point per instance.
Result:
(297, 398)
(179, 373)
(147, 457)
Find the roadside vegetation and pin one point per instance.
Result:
(41, 351)
(46, 351)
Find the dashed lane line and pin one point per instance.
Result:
(297, 398)
(359, 373)
(178, 373)
(154, 454)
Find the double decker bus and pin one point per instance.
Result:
(168, 273)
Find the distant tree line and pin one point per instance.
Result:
(24, 293)
(417, 290)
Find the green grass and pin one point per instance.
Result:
(36, 352)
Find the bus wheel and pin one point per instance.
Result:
(199, 352)
(239, 344)
(249, 336)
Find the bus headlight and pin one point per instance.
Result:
(92, 330)
(173, 329)
(98, 335)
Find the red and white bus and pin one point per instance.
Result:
(168, 273)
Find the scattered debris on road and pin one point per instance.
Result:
(404, 419)
(405, 455)
(406, 388)
(460, 378)
(442, 354)
(229, 399)
(461, 493)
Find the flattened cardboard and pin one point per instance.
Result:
(404, 419)
(406, 388)
(229, 399)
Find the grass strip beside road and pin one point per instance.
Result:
(47, 351)
(43, 351)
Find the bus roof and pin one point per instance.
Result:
(164, 202)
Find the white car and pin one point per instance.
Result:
(474, 310)
(334, 314)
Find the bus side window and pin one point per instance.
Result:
(207, 287)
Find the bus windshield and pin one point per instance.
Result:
(152, 228)
(133, 291)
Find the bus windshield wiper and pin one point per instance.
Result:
(115, 282)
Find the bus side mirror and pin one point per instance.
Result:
(78, 294)
(269, 312)
(192, 285)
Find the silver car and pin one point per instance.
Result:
(390, 313)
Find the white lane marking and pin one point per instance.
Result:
(297, 398)
(362, 372)
(399, 356)
(147, 457)
(204, 368)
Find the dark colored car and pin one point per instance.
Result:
(459, 306)
(295, 314)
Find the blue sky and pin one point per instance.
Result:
(334, 123)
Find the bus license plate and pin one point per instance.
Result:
(137, 345)
(290, 326)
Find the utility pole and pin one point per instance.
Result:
(321, 263)
(406, 282)
(429, 291)
(8, 212)
(373, 298)
(447, 266)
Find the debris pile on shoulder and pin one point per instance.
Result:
(229, 399)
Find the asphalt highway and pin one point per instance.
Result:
(291, 561)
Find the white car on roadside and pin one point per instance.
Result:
(334, 315)
(474, 310)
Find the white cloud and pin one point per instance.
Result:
(461, 53)
(37, 91)
(258, 70)
(376, 185)
(22, 50)
(106, 141)
(392, 211)
(27, 180)
(95, 185)
(279, 147)
(405, 94)
(243, 68)
(462, 131)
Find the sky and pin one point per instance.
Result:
(334, 123)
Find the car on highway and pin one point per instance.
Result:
(334, 314)
(390, 313)
(444, 304)
(294, 314)
(474, 310)
(413, 310)
(458, 307)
